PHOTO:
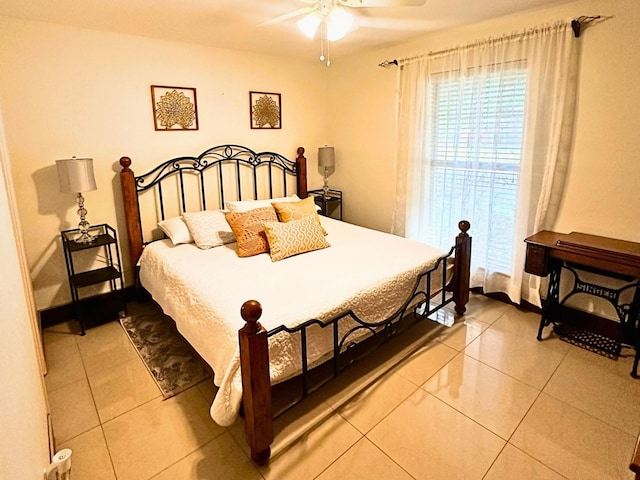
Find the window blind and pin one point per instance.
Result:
(475, 141)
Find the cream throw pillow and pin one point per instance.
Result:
(248, 227)
(176, 230)
(208, 228)
(246, 205)
(294, 237)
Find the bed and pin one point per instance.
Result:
(319, 311)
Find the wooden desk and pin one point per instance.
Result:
(548, 253)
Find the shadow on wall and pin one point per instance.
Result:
(48, 271)
(50, 200)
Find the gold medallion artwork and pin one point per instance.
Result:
(174, 108)
(265, 110)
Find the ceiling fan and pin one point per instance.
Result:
(332, 20)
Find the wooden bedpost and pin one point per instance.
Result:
(131, 211)
(256, 383)
(462, 268)
(301, 178)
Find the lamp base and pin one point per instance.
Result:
(325, 187)
(83, 226)
(85, 237)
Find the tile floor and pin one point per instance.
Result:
(480, 400)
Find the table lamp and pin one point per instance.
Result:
(76, 176)
(326, 159)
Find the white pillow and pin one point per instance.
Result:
(209, 228)
(176, 230)
(246, 205)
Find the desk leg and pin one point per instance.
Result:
(553, 295)
(631, 329)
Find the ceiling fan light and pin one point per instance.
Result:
(338, 24)
(309, 24)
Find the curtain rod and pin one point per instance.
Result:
(577, 25)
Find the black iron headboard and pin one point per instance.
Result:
(206, 181)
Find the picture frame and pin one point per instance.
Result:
(174, 108)
(265, 110)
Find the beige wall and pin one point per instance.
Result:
(602, 196)
(24, 438)
(67, 91)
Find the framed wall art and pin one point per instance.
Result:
(265, 110)
(174, 108)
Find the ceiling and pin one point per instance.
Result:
(235, 24)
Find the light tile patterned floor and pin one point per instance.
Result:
(480, 400)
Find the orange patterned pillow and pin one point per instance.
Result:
(294, 237)
(248, 227)
(288, 211)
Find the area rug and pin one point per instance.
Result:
(173, 363)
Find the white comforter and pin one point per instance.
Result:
(367, 271)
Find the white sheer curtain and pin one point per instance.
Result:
(484, 134)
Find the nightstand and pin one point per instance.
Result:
(81, 259)
(330, 205)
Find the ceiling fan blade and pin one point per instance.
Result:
(287, 16)
(382, 3)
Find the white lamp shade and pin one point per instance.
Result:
(326, 157)
(76, 175)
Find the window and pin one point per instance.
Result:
(484, 134)
(474, 142)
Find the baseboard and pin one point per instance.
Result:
(503, 297)
(62, 313)
(56, 315)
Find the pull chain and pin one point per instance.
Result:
(322, 41)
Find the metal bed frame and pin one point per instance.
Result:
(228, 172)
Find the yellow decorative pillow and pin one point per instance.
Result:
(249, 230)
(288, 211)
(294, 237)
